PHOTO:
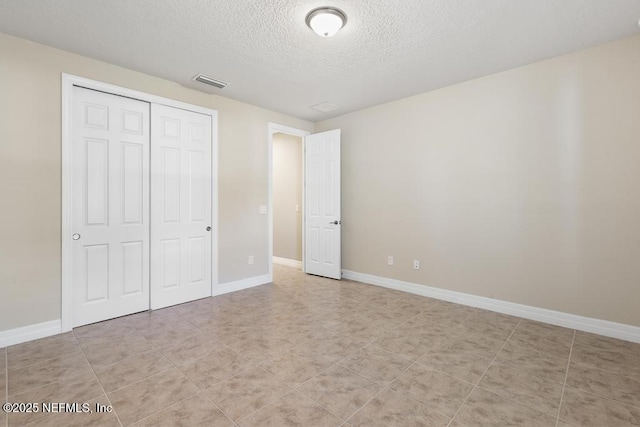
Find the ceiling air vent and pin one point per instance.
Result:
(324, 107)
(210, 81)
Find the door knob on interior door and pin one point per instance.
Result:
(75, 236)
(336, 222)
(209, 228)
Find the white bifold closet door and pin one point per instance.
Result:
(110, 209)
(180, 206)
(141, 206)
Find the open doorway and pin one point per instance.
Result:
(286, 223)
(287, 199)
(319, 211)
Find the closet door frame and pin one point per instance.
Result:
(68, 82)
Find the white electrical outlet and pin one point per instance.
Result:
(416, 264)
(390, 260)
(250, 259)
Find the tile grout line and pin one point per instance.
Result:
(214, 403)
(296, 387)
(367, 402)
(566, 375)
(603, 396)
(295, 390)
(526, 405)
(608, 371)
(338, 363)
(200, 391)
(31, 365)
(157, 348)
(173, 404)
(485, 372)
(137, 381)
(321, 405)
(388, 386)
(291, 389)
(48, 384)
(97, 379)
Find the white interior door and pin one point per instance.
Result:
(180, 206)
(110, 211)
(322, 204)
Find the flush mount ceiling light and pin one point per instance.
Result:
(326, 21)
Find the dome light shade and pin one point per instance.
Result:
(326, 21)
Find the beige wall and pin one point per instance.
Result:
(30, 171)
(287, 193)
(520, 186)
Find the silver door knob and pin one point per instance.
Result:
(75, 236)
(336, 222)
(209, 228)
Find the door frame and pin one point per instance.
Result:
(274, 128)
(68, 82)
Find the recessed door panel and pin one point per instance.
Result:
(170, 263)
(170, 182)
(97, 271)
(133, 267)
(197, 182)
(314, 246)
(328, 187)
(170, 128)
(97, 181)
(132, 122)
(132, 183)
(329, 241)
(197, 260)
(312, 196)
(110, 211)
(197, 132)
(96, 116)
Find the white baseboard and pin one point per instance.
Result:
(288, 262)
(238, 285)
(29, 333)
(46, 329)
(581, 323)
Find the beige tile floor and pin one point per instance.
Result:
(307, 351)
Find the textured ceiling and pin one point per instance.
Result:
(389, 49)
